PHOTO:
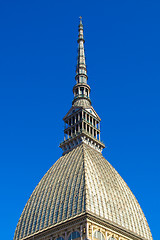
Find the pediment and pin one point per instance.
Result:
(93, 112)
(71, 111)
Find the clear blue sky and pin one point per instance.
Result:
(38, 52)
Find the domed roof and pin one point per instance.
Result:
(82, 181)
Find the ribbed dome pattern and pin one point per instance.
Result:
(82, 180)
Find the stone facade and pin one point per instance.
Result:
(87, 227)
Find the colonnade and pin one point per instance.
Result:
(81, 91)
(82, 121)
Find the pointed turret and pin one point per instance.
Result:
(81, 71)
(82, 123)
(81, 90)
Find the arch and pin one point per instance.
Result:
(74, 235)
(82, 90)
(98, 235)
(60, 238)
(76, 91)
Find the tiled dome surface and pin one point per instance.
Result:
(80, 181)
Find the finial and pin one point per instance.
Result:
(80, 19)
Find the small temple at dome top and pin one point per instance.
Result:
(82, 123)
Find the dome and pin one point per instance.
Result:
(82, 181)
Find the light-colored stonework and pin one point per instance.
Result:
(87, 227)
(82, 196)
(82, 181)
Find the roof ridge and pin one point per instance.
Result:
(85, 185)
(101, 190)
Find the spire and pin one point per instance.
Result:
(81, 65)
(81, 123)
(81, 90)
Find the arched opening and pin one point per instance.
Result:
(82, 90)
(87, 92)
(94, 122)
(84, 115)
(76, 91)
(60, 238)
(94, 133)
(74, 235)
(88, 128)
(87, 118)
(98, 235)
(90, 119)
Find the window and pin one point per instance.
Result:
(99, 235)
(76, 128)
(74, 235)
(90, 119)
(82, 90)
(98, 135)
(60, 238)
(97, 125)
(76, 91)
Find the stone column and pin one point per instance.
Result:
(65, 238)
(106, 235)
(82, 125)
(78, 117)
(81, 232)
(92, 232)
(87, 237)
